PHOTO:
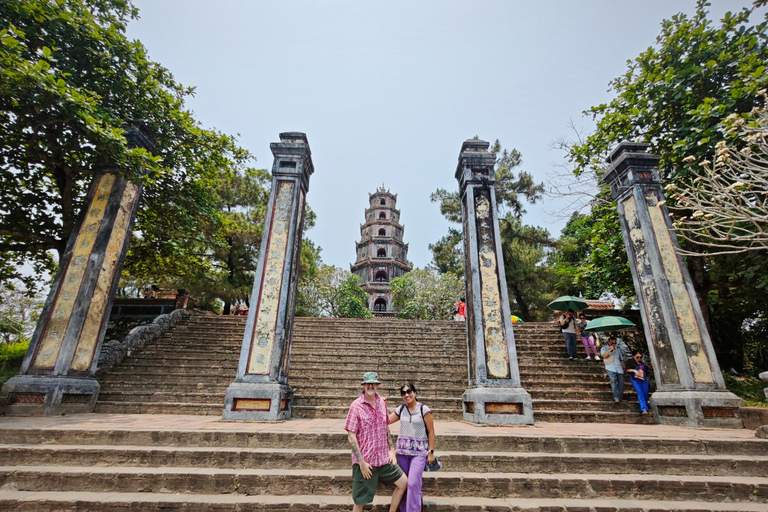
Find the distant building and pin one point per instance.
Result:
(381, 253)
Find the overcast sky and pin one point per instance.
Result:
(388, 91)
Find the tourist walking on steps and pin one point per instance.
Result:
(638, 376)
(415, 444)
(568, 327)
(587, 338)
(373, 452)
(460, 310)
(614, 368)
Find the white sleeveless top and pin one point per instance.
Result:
(413, 438)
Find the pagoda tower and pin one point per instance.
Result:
(381, 253)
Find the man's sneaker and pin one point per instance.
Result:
(571, 358)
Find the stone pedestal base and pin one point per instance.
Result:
(718, 409)
(497, 406)
(29, 395)
(258, 401)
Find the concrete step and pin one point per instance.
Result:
(475, 462)
(121, 407)
(340, 411)
(150, 502)
(445, 483)
(294, 436)
(164, 396)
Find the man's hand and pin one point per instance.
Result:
(365, 469)
(392, 456)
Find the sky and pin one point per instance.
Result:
(388, 91)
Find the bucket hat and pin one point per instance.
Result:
(371, 378)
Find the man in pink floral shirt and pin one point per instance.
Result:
(373, 452)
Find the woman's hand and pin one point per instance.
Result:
(431, 457)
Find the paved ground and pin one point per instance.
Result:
(212, 423)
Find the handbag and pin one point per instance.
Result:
(435, 466)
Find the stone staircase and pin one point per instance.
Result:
(118, 463)
(188, 370)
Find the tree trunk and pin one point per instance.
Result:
(65, 184)
(700, 285)
(525, 313)
(227, 307)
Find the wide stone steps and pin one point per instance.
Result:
(286, 482)
(186, 407)
(189, 369)
(557, 416)
(21, 501)
(309, 458)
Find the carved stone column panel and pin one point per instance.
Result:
(690, 386)
(260, 390)
(56, 375)
(494, 394)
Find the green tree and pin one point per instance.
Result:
(333, 292)
(425, 294)
(524, 247)
(70, 81)
(675, 96)
(19, 311)
(529, 279)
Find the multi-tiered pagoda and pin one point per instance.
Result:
(381, 253)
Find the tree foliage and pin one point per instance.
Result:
(19, 311)
(529, 278)
(70, 82)
(332, 292)
(425, 294)
(524, 247)
(674, 96)
(728, 200)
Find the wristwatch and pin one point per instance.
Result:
(432, 452)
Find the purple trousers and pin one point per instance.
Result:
(413, 466)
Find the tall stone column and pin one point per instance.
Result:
(57, 374)
(260, 390)
(690, 387)
(494, 395)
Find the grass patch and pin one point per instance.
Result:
(11, 356)
(748, 388)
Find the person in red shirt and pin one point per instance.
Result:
(460, 310)
(373, 451)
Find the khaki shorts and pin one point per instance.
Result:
(363, 490)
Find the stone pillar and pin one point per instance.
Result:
(57, 374)
(690, 387)
(260, 390)
(494, 395)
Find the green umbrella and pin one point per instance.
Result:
(608, 323)
(567, 302)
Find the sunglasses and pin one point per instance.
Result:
(406, 392)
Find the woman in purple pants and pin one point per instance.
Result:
(415, 444)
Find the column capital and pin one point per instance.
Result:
(476, 164)
(138, 135)
(293, 158)
(630, 164)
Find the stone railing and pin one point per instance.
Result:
(114, 351)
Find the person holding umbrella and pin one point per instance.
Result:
(587, 338)
(612, 353)
(614, 368)
(570, 332)
(567, 321)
